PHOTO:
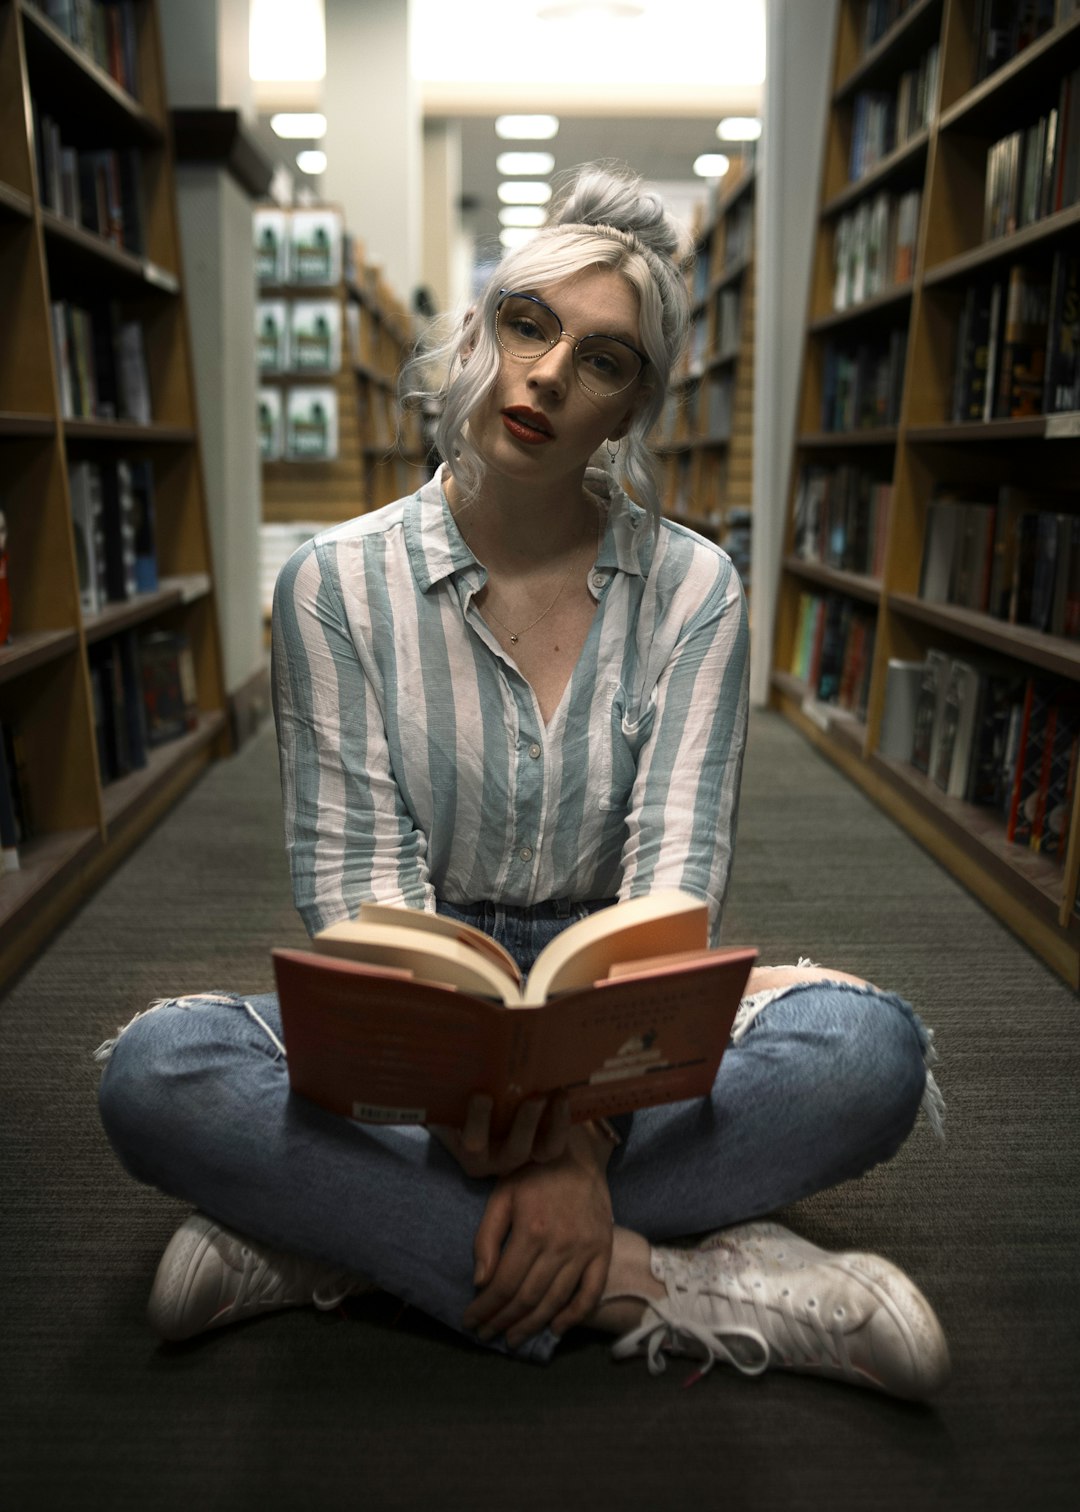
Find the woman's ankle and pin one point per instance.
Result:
(629, 1279)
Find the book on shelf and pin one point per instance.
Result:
(315, 246)
(120, 723)
(969, 394)
(271, 234)
(314, 335)
(101, 364)
(929, 711)
(1062, 387)
(9, 824)
(272, 336)
(169, 690)
(104, 30)
(140, 482)
(270, 423)
(903, 680)
(1022, 363)
(399, 1016)
(959, 722)
(311, 424)
(88, 527)
(1003, 28)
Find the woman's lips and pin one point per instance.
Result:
(526, 425)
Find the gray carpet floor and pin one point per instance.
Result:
(384, 1410)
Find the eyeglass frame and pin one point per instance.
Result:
(505, 294)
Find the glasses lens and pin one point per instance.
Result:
(526, 327)
(606, 365)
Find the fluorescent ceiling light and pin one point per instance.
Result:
(311, 162)
(711, 165)
(739, 129)
(526, 128)
(524, 192)
(524, 162)
(307, 128)
(522, 215)
(591, 11)
(287, 40)
(516, 236)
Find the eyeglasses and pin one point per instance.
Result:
(527, 328)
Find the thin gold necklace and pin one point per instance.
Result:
(515, 635)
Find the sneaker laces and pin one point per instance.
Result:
(664, 1328)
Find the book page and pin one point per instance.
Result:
(430, 957)
(453, 929)
(663, 923)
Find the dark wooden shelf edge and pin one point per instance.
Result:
(844, 726)
(879, 175)
(125, 431)
(885, 435)
(1003, 248)
(171, 594)
(854, 584)
(1020, 642)
(45, 862)
(75, 57)
(132, 264)
(1031, 57)
(960, 434)
(898, 294)
(14, 202)
(33, 649)
(14, 424)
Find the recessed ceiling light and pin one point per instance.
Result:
(739, 129)
(311, 162)
(309, 127)
(524, 192)
(522, 215)
(509, 163)
(711, 165)
(526, 128)
(516, 236)
(591, 10)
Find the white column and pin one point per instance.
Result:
(373, 139)
(799, 50)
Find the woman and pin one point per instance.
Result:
(517, 697)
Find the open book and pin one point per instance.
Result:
(398, 1016)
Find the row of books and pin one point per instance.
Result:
(299, 246)
(833, 651)
(103, 29)
(1035, 171)
(989, 735)
(1004, 28)
(862, 383)
(1005, 558)
(878, 17)
(883, 120)
(874, 247)
(841, 518)
(298, 424)
(113, 519)
(714, 332)
(101, 363)
(1017, 343)
(99, 189)
(144, 692)
(15, 822)
(732, 241)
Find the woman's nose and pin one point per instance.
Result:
(555, 367)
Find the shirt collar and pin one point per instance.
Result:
(437, 550)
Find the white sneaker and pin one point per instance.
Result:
(209, 1276)
(758, 1295)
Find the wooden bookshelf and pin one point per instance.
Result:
(80, 816)
(920, 448)
(705, 436)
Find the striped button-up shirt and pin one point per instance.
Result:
(415, 762)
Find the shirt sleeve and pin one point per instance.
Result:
(682, 817)
(348, 834)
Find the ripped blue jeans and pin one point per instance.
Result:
(820, 1082)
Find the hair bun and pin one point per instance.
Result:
(602, 195)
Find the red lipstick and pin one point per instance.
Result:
(527, 425)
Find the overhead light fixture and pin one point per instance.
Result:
(311, 162)
(287, 40)
(590, 10)
(524, 192)
(516, 236)
(522, 215)
(739, 129)
(509, 163)
(711, 165)
(526, 128)
(305, 127)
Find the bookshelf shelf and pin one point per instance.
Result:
(852, 583)
(999, 470)
(94, 505)
(33, 649)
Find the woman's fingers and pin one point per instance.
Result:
(477, 1131)
(517, 1147)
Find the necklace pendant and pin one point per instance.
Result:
(513, 640)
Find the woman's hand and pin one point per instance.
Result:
(539, 1133)
(556, 1222)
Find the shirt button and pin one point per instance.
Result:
(526, 853)
(599, 580)
(534, 750)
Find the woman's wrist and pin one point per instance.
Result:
(594, 1140)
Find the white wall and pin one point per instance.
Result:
(800, 40)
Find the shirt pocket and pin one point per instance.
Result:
(626, 728)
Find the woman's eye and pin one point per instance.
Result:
(527, 328)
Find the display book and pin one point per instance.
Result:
(398, 1016)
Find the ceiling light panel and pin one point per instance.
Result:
(509, 163)
(524, 192)
(526, 128)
